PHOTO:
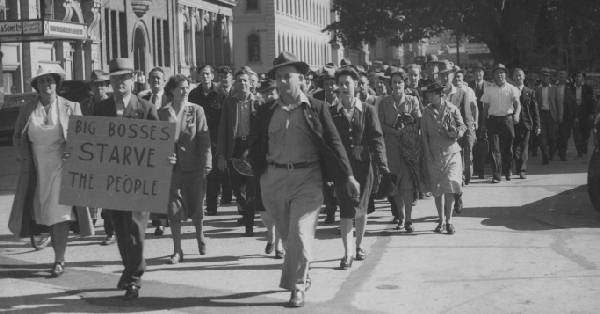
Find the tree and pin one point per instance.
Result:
(510, 28)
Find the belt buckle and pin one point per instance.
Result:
(290, 166)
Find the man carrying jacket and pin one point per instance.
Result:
(294, 149)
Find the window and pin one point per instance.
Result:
(160, 42)
(253, 48)
(251, 5)
(8, 82)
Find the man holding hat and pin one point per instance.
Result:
(237, 116)
(129, 225)
(502, 107)
(294, 149)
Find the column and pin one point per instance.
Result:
(79, 62)
(192, 15)
(181, 35)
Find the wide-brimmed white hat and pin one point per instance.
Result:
(48, 68)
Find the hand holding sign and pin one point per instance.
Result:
(118, 163)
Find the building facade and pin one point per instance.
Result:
(205, 34)
(264, 28)
(34, 32)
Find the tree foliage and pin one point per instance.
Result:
(516, 31)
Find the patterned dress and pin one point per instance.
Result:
(440, 130)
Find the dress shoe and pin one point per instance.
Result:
(160, 230)
(523, 175)
(176, 258)
(108, 240)
(361, 254)
(439, 228)
(450, 229)
(495, 180)
(396, 220)
(57, 269)
(269, 248)
(122, 285)
(132, 292)
(296, 299)
(211, 212)
(481, 176)
(346, 262)
(279, 254)
(202, 248)
(408, 226)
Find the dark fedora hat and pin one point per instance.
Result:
(120, 66)
(345, 62)
(287, 58)
(445, 66)
(98, 76)
(346, 70)
(266, 86)
(434, 87)
(431, 59)
(394, 70)
(500, 67)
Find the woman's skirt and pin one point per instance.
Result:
(445, 174)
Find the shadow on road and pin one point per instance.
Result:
(569, 209)
(71, 302)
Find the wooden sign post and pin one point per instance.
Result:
(118, 163)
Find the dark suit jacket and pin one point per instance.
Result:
(332, 155)
(478, 93)
(147, 96)
(192, 148)
(588, 101)
(530, 114)
(555, 111)
(136, 109)
(229, 122)
(363, 140)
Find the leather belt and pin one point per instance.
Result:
(296, 165)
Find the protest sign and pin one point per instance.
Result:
(118, 163)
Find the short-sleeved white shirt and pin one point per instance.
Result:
(500, 99)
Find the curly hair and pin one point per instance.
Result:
(174, 82)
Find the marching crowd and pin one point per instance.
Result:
(287, 142)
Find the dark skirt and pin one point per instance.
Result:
(349, 207)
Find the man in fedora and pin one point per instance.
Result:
(99, 85)
(129, 225)
(502, 107)
(294, 149)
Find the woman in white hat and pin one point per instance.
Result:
(40, 140)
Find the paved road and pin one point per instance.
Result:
(528, 246)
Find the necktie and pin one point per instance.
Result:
(154, 98)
